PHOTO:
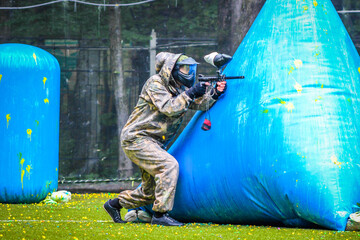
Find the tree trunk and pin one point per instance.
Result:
(338, 4)
(224, 23)
(86, 114)
(125, 167)
(235, 18)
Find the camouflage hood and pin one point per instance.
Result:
(164, 64)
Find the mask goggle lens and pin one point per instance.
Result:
(188, 69)
(192, 69)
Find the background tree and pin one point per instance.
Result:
(125, 166)
(85, 113)
(235, 18)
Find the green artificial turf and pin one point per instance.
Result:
(84, 218)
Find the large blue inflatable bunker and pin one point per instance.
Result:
(285, 141)
(29, 126)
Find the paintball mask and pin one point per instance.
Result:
(185, 71)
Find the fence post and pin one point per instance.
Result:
(152, 52)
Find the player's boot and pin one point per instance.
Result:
(165, 220)
(113, 212)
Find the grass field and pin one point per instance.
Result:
(84, 218)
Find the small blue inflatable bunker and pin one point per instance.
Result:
(29, 123)
(284, 147)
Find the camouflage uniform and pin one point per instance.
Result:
(151, 126)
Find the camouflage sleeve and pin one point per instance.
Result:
(203, 103)
(165, 102)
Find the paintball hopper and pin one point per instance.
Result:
(218, 60)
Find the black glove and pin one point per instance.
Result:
(196, 91)
(216, 93)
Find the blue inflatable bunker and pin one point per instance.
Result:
(29, 126)
(285, 141)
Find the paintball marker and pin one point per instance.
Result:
(218, 78)
(219, 61)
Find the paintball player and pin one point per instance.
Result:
(162, 104)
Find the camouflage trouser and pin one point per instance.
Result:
(159, 174)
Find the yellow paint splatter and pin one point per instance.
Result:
(290, 107)
(22, 178)
(37, 122)
(265, 111)
(7, 120)
(163, 137)
(358, 70)
(291, 70)
(298, 87)
(334, 160)
(319, 98)
(0, 77)
(305, 8)
(322, 85)
(315, 3)
(316, 52)
(298, 63)
(281, 101)
(324, 9)
(44, 81)
(28, 169)
(22, 171)
(34, 56)
(46, 100)
(29, 131)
